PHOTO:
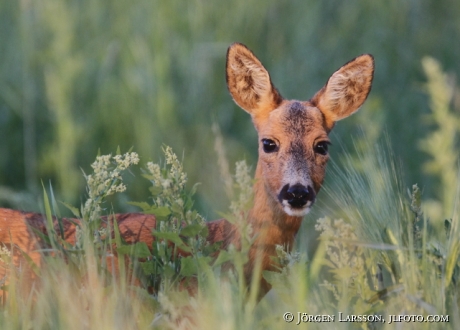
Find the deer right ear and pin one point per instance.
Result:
(346, 90)
(249, 82)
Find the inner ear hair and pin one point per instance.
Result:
(249, 82)
(346, 90)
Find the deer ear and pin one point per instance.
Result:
(249, 82)
(346, 90)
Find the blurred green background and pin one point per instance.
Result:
(87, 75)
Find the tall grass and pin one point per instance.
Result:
(442, 143)
(95, 74)
(382, 259)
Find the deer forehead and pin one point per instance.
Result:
(294, 120)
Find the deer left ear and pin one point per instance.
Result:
(249, 82)
(346, 90)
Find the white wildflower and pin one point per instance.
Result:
(106, 180)
(4, 251)
(166, 184)
(154, 170)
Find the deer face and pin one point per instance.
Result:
(293, 135)
(293, 152)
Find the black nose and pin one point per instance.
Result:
(297, 196)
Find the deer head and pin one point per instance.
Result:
(293, 135)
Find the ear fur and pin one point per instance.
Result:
(346, 90)
(249, 82)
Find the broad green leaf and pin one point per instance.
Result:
(188, 266)
(75, 211)
(148, 267)
(155, 190)
(204, 262)
(223, 257)
(176, 208)
(160, 212)
(205, 231)
(138, 250)
(191, 230)
(173, 238)
(143, 205)
(168, 271)
(188, 203)
(209, 249)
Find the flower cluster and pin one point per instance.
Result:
(171, 201)
(106, 180)
(171, 181)
(5, 254)
(5, 262)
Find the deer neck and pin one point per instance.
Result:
(268, 220)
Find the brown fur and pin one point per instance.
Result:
(295, 126)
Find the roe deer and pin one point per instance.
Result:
(293, 152)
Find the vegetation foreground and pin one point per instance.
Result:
(385, 263)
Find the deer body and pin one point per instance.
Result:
(293, 152)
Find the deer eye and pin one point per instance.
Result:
(322, 147)
(269, 145)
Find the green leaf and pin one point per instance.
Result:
(188, 266)
(160, 212)
(204, 264)
(143, 205)
(205, 231)
(148, 267)
(451, 262)
(49, 219)
(147, 176)
(274, 278)
(174, 238)
(156, 190)
(138, 250)
(31, 263)
(223, 257)
(194, 189)
(118, 244)
(210, 249)
(177, 208)
(42, 236)
(168, 271)
(54, 203)
(75, 211)
(191, 230)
